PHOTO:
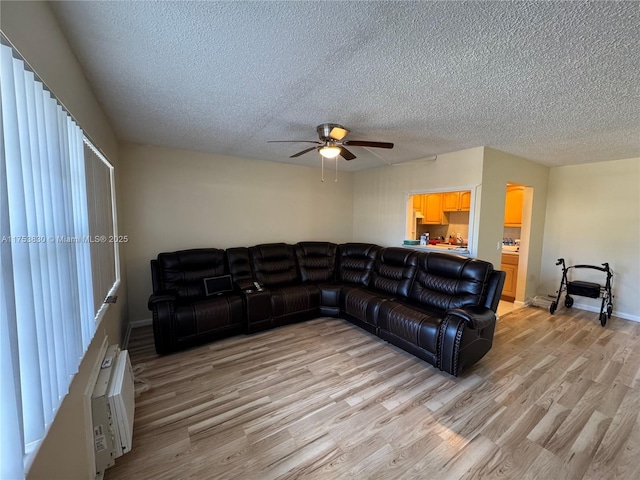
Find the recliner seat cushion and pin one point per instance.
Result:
(197, 317)
(362, 304)
(293, 299)
(418, 326)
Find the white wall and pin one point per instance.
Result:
(592, 217)
(380, 194)
(32, 28)
(178, 199)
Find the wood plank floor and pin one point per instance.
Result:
(558, 397)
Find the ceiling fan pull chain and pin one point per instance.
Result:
(322, 167)
(336, 180)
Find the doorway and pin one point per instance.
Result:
(515, 243)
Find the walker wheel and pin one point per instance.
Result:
(603, 319)
(609, 310)
(553, 307)
(568, 301)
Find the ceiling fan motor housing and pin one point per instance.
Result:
(324, 131)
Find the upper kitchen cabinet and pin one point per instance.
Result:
(432, 209)
(513, 206)
(456, 201)
(465, 200)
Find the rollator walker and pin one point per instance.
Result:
(585, 289)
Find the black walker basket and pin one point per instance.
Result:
(585, 289)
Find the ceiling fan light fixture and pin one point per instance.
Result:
(329, 151)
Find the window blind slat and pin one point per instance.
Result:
(11, 433)
(20, 196)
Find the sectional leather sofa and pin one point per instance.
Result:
(439, 307)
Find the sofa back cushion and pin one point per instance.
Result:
(446, 281)
(183, 272)
(240, 267)
(316, 261)
(355, 262)
(394, 270)
(274, 264)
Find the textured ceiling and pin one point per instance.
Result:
(555, 82)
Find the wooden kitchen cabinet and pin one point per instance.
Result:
(432, 209)
(509, 265)
(456, 201)
(450, 201)
(417, 202)
(513, 206)
(465, 200)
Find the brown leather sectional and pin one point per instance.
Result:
(439, 307)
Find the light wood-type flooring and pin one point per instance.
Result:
(558, 397)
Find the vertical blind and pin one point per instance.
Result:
(103, 229)
(58, 256)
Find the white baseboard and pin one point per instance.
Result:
(145, 322)
(544, 301)
(615, 313)
(127, 336)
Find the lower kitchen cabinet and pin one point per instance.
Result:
(509, 264)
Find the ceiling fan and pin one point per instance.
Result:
(332, 142)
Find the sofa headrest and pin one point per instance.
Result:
(394, 270)
(184, 271)
(316, 260)
(445, 281)
(274, 264)
(240, 267)
(355, 262)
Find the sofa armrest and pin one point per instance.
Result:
(162, 305)
(157, 298)
(243, 285)
(466, 335)
(476, 317)
(257, 304)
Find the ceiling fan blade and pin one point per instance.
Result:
(295, 141)
(367, 143)
(303, 152)
(338, 133)
(346, 154)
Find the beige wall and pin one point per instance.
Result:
(592, 217)
(33, 30)
(178, 199)
(380, 194)
(500, 168)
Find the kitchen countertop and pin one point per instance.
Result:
(443, 248)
